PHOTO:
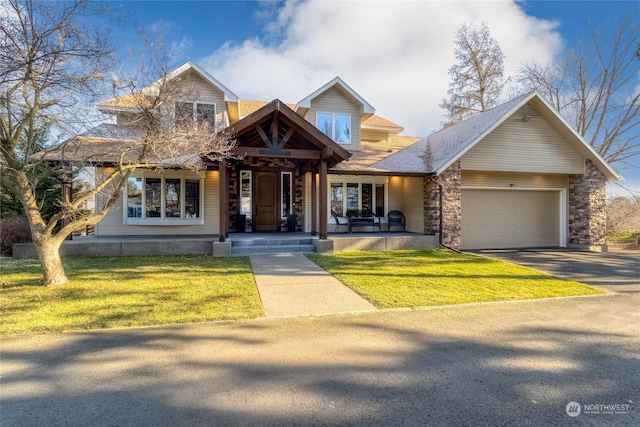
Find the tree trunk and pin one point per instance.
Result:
(52, 269)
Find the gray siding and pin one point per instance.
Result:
(524, 146)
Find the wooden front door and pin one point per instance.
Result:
(266, 201)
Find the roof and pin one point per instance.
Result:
(376, 122)
(337, 81)
(247, 106)
(373, 152)
(129, 101)
(139, 99)
(441, 149)
(451, 143)
(448, 145)
(276, 123)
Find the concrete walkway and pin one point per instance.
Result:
(292, 285)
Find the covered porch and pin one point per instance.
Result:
(280, 166)
(94, 246)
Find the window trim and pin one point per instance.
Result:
(333, 125)
(163, 220)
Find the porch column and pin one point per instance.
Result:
(323, 199)
(224, 201)
(314, 205)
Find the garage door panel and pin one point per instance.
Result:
(494, 219)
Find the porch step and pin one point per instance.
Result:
(277, 249)
(271, 246)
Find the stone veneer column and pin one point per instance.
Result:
(451, 206)
(587, 209)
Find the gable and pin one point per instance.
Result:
(334, 101)
(204, 91)
(524, 142)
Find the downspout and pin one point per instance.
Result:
(434, 179)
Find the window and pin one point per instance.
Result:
(352, 198)
(163, 199)
(285, 190)
(336, 198)
(134, 198)
(335, 126)
(245, 192)
(188, 113)
(357, 194)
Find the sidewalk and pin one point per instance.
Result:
(292, 285)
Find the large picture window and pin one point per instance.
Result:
(154, 199)
(335, 126)
(347, 198)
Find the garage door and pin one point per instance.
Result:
(496, 219)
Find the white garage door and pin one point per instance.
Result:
(496, 219)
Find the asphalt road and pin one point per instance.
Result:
(498, 364)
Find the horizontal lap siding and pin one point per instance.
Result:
(113, 223)
(413, 205)
(334, 101)
(524, 146)
(206, 92)
(513, 180)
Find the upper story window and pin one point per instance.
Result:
(188, 113)
(336, 126)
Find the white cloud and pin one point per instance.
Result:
(396, 55)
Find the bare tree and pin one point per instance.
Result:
(596, 88)
(477, 79)
(53, 55)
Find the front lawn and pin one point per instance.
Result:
(127, 291)
(437, 277)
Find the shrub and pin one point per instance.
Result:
(14, 230)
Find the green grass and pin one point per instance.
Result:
(438, 277)
(126, 291)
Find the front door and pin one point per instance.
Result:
(266, 200)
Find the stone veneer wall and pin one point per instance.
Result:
(587, 207)
(256, 163)
(451, 209)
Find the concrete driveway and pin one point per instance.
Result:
(515, 364)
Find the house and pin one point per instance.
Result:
(514, 176)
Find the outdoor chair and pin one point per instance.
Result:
(395, 219)
(340, 221)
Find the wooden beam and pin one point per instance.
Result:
(286, 154)
(314, 204)
(288, 135)
(224, 202)
(324, 206)
(263, 135)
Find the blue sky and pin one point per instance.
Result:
(393, 53)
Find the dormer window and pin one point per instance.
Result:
(188, 113)
(336, 126)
